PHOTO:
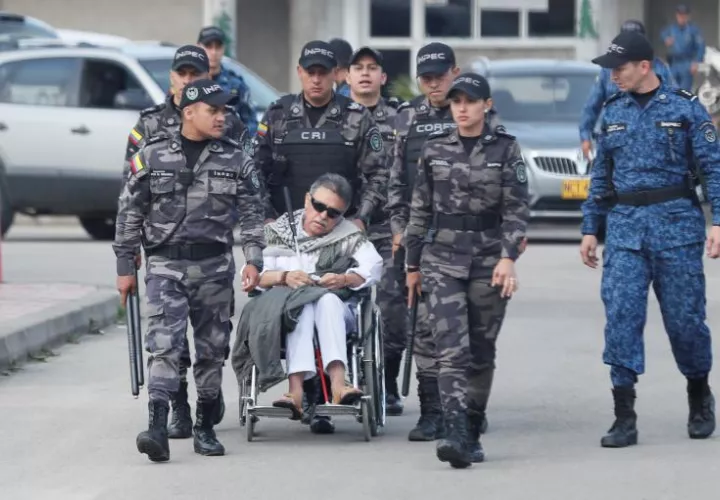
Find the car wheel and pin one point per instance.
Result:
(99, 227)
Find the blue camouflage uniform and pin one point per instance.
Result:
(688, 46)
(646, 149)
(603, 89)
(343, 89)
(235, 85)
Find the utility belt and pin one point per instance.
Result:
(653, 196)
(458, 222)
(196, 251)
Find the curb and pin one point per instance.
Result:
(54, 326)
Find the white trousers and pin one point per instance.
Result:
(329, 315)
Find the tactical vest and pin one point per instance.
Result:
(421, 127)
(308, 153)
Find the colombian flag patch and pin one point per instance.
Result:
(262, 129)
(136, 164)
(135, 137)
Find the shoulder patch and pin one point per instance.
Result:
(353, 106)
(520, 171)
(612, 98)
(137, 165)
(375, 139)
(152, 109)
(684, 93)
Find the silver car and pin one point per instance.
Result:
(540, 101)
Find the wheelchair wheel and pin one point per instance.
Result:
(374, 379)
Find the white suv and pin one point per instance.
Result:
(65, 115)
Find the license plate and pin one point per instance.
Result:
(575, 189)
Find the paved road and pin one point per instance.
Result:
(68, 426)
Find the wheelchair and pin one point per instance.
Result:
(366, 371)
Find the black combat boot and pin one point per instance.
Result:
(624, 430)
(701, 421)
(393, 401)
(205, 442)
(475, 428)
(454, 448)
(181, 423)
(154, 441)
(430, 425)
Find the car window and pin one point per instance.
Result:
(261, 93)
(40, 82)
(102, 80)
(538, 97)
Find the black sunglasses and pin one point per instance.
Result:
(333, 213)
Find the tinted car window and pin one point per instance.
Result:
(540, 97)
(261, 93)
(40, 82)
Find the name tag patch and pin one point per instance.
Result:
(162, 173)
(615, 127)
(494, 164)
(221, 174)
(668, 124)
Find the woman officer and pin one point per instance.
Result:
(468, 219)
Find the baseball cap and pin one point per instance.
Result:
(211, 34)
(472, 84)
(367, 51)
(628, 46)
(207, 91)
(343, 51)
(317, 53)
(435, 58)
(682, 9)
(191, 55)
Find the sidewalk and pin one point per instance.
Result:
(34, 317)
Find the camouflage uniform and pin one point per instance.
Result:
(234, 84)
(187, 233)
(390, 292)
(415, 121)
(656, 236)
(468, 212)
(346, 140)
(164, 120)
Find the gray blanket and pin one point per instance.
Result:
(266, 319)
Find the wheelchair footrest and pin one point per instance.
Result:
(269, 411)
(331, 410)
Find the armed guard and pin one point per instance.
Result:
(642, 180)
(416, 120)
(366, 78)
(189, 64)
(314, 132)
(469, 213)
(685, 47)
(185, 195)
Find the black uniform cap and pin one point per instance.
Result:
(472, 84)
(628, 46)
(207, 91)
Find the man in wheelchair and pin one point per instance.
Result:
(310, 273)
